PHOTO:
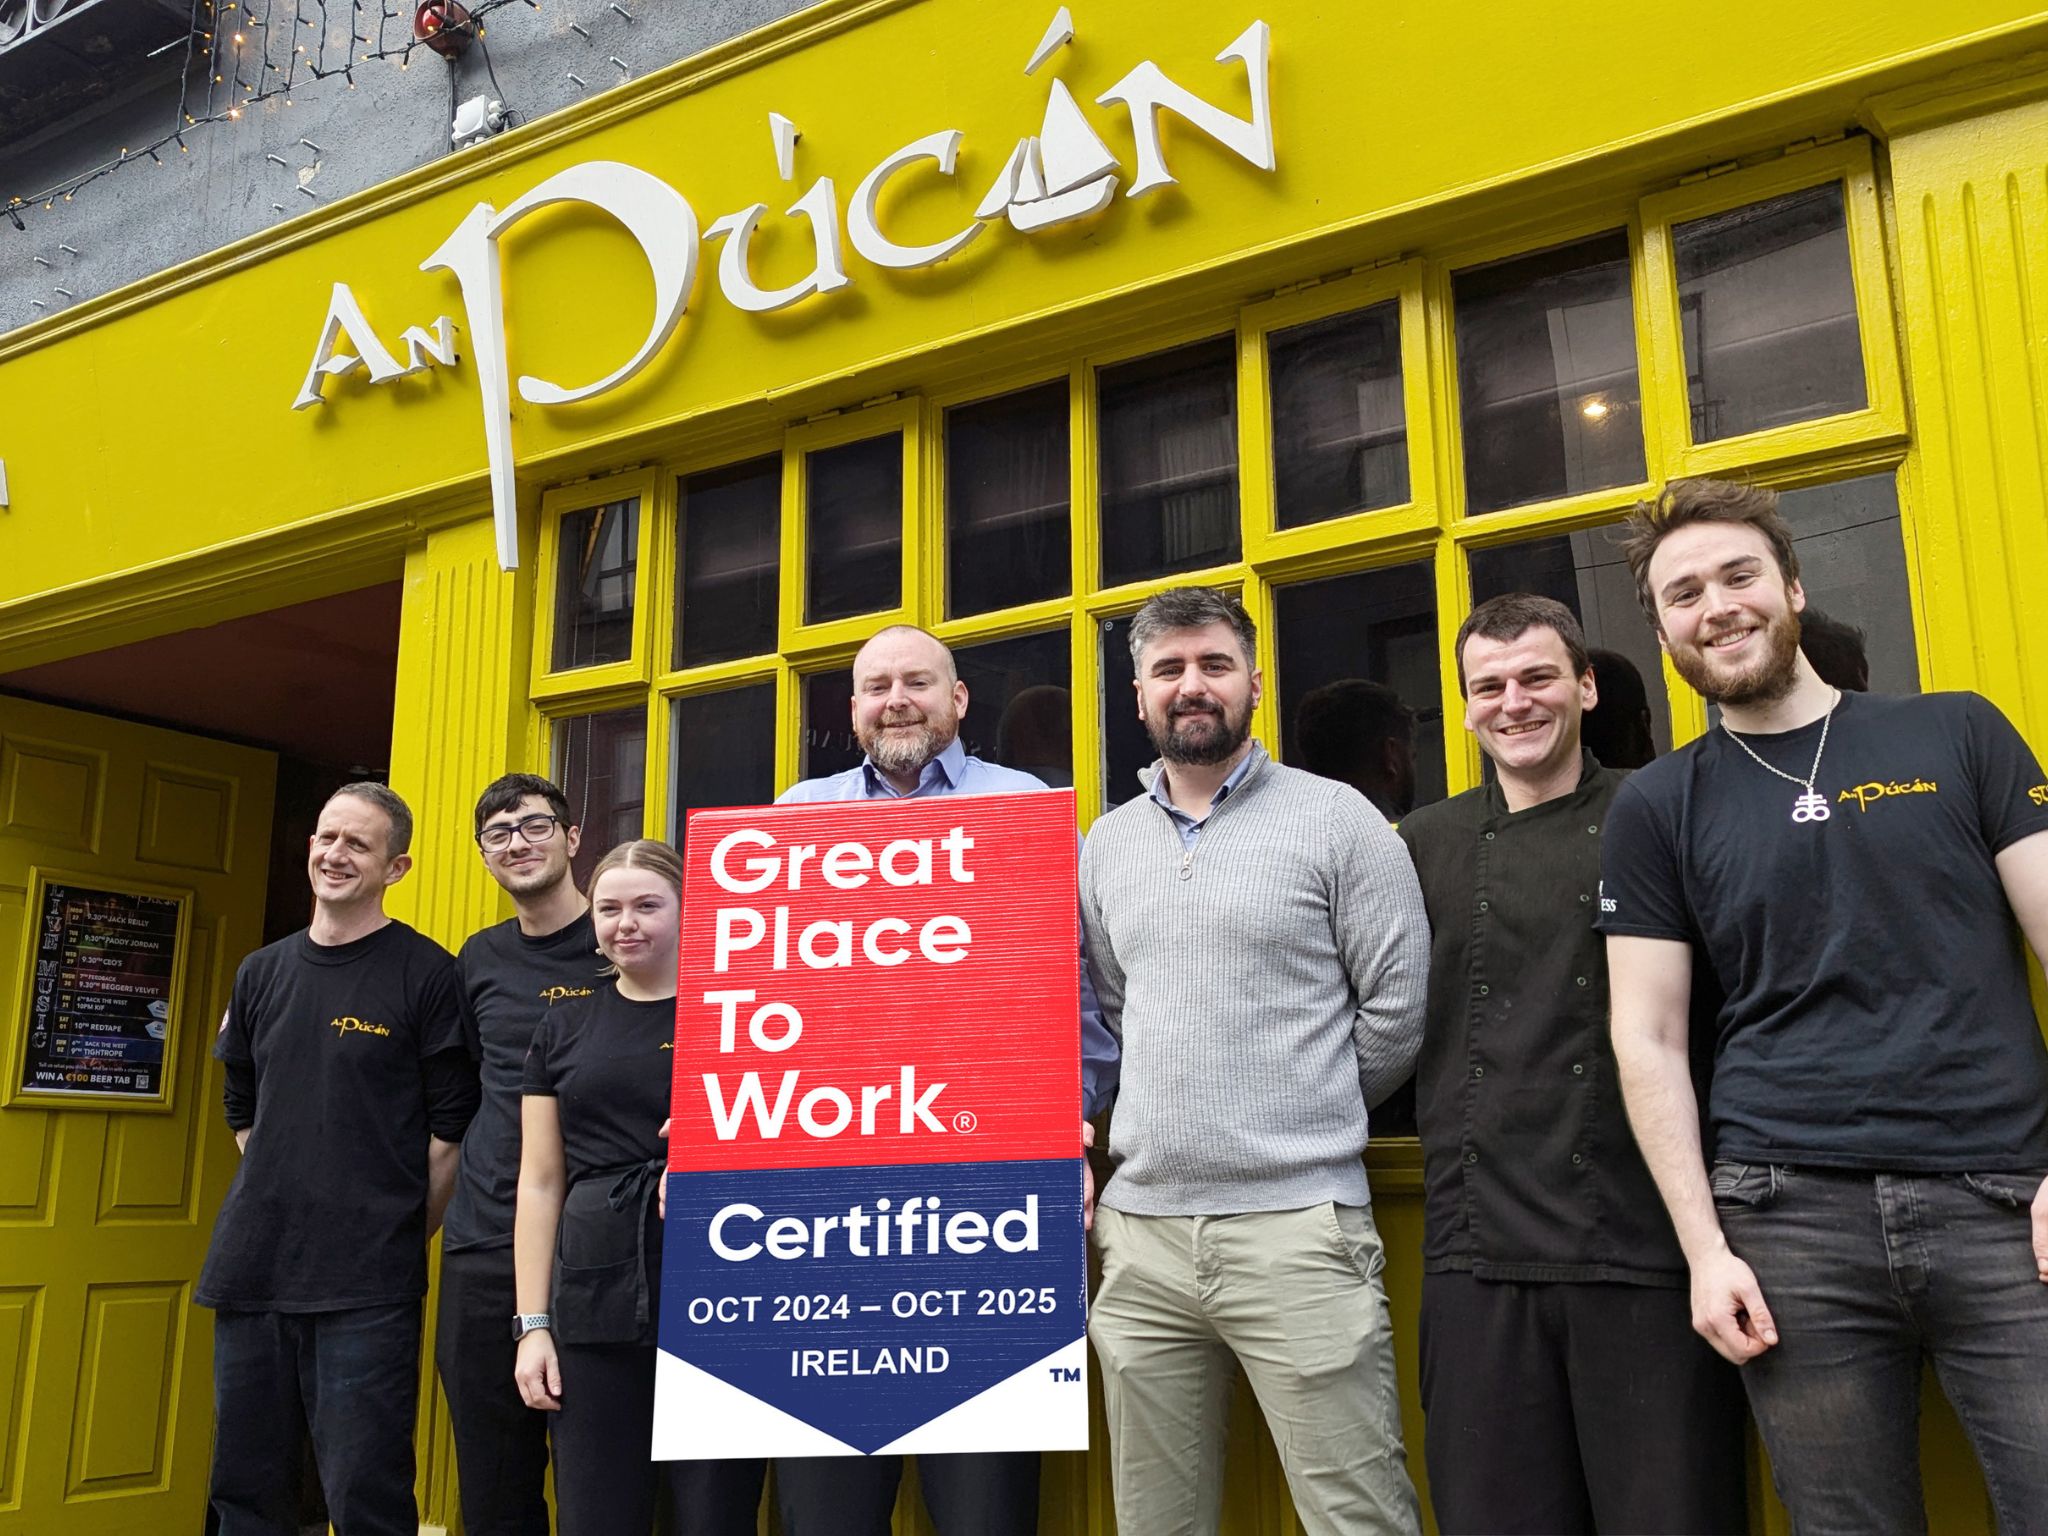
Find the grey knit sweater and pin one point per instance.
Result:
(1262, 1002)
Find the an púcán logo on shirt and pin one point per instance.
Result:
(554, 995)
(1867, 795)
(348, 1024)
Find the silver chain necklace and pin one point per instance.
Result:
(1811, 806)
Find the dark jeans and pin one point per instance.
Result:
(1866, 1276)
(1577, 1406)
(501, 1445)
(607, 1484)
(991, 1493)
(353, 1378)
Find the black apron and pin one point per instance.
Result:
(608, 1257)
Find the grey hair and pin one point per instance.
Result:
(396, 811)
(1184, 608)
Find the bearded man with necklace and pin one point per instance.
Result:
(1862, 874)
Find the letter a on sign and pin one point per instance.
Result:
(873, 1243)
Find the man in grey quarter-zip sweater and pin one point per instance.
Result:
(1261, 950)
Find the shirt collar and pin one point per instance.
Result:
(1237, 777)
(1497, 798)
(941, 775)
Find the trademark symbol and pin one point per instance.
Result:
(965, 1121)
(1065, 1372)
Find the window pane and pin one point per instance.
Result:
(601, 764)
(728, 557)
(600, 552)
(1125, 746)
(1852, 564)
(854, 503)
(1547, 375)
(725, 751)
(1585, 572)
(1359, 696)
(1169, 462)
(1768, 310)
(828, 744)
(1340, 439)
(1019, 710)
(1007, 495)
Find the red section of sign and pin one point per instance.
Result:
(914, 973)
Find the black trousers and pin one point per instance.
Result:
(353, 1379)
(501, 1445)
(605, 1482)
(1577, 1407)
(992, 1493)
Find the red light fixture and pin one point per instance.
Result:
(443, 26)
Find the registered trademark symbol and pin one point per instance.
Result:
(965, 1121)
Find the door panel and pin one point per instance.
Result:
(106, 1365)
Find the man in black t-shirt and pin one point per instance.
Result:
(509, 975)
(348, 1089)
(1859, 872)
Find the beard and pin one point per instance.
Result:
(900, 751)
(1215, 738)
(1764, 681)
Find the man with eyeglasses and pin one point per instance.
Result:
(509, 975)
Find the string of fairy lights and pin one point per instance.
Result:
(256, 51)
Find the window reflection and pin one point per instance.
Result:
(1852, 566)
(828, 744)
(853, 496)
(601, 764)
(1340, 438)
(1019, 710)
(724, 751)
(1125, 746)
(1007, 493)
(599, 554)
(1360, 698)
(1585, 571)
(1169, 462)
(1547, 384)
(1767, 307)
(728, 560)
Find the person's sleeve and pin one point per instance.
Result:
(437, 1006)
(538, 1077)
(465, 1006)
(1100, 1058)
(1642, 890)
(1105, 978)
(1382, 933)
(2012, 792)
(238, 1065)
(449, 1083)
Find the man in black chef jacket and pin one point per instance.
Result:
(510, 975)
(1562, 1383)
(348, 1087)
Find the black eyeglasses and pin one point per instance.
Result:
(535, 829)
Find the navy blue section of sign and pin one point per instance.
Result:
(868, 1301)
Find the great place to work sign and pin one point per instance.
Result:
(874, 1238)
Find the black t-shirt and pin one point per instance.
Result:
(508, 982)
(606, 1061)
(1877, 1013)
(350, 1056)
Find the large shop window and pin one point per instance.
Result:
(599, 552)
(1546, 348)
(828, 743)
(601, 765)
(1008, 497)
(728, 562)
(1020, 708)
(1852, 567)
(1169, 462)
(1126, 747)
(854, 512)
(1767, 314)
(1361, 698)
(1585, 571)
(724, 751)
(1340, 437)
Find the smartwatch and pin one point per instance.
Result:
(528, 1322)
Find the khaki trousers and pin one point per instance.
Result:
(1296, 1298)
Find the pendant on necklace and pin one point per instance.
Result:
(1811, 807)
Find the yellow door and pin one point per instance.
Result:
(141, 851)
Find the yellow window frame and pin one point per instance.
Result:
(551, 683)
(1883, 418)
(904, 414)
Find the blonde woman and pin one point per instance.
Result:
(587, 1236)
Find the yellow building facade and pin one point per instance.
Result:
(1383, 310)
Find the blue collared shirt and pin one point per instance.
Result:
(953, 772)
(1190, 827)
